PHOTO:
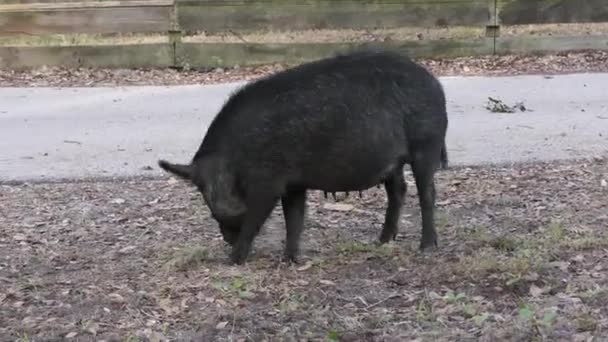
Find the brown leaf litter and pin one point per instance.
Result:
(523, 254)
(551, 64)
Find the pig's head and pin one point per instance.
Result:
(220, 192)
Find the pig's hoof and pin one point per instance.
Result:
(238, 256)
(290, 259)
(428, 247)
(386, 238)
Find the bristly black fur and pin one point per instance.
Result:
(340, 124)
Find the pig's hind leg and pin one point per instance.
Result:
(424, 166)
(396, 189)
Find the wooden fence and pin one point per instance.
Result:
(442, 28)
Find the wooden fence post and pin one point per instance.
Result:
(493, 27)
(175, 34)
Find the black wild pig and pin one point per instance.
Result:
(345, 123)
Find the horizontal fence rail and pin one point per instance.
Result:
(329, 14)
(479, 22)
(518, 12)
(87, 17)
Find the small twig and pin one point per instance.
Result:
(362, 300)
(233, 324)
(144, 233)
(394, 295)
(524, 126)
(238, 36)
(17, 32)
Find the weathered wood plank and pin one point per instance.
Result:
(231, 54)
(86, 17)
(89, 20)
(299, 15)
(50, 1)
(516, 12)
(123, 56)
(549, 44)
(61, 6)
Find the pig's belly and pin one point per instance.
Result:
(341, 177)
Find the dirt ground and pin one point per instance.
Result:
(523, 256)
(551, 64)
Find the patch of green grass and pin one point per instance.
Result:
(236, 286)
(470, 310)
(586, 322)
(586, 243)
(479, 264)
(424, 310)
(478, 234)
(525, 260)
(187, 258)
(480, 318)
(505, 244)
(556, 231)
(132, 338)
(513, 267)
(355, 247)
(597, 295)
(239, 286)
(291, 303)
(514, 258)
(441, 220)
(529, 315)
(333, 335)
(23, 338)
(451, 297)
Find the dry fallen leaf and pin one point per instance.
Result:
(535, 291)
(338, 206)
(166, 305)
(127, 249)
(116, 298)
(71, 335)
(327, 282)
(221, 325)
(578, 258)
(19, 237)
(91, 327)
(306, 266)
(156, 337)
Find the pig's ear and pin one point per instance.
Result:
(183, 171)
